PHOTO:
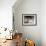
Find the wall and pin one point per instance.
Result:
(28, 7)
(43, 22)
(6, 13)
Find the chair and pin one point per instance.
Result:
(18, 39)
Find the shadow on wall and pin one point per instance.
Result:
(17, 4)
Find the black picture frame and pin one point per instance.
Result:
(29, 19)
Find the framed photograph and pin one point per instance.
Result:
(29, 19)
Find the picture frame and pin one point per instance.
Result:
(29, 19)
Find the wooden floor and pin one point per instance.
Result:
(9, 43)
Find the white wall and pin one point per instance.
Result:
(28, 7)
(43, 22)
(6, 13)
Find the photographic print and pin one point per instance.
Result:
(29, 19)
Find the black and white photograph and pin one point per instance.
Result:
(29, 19)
